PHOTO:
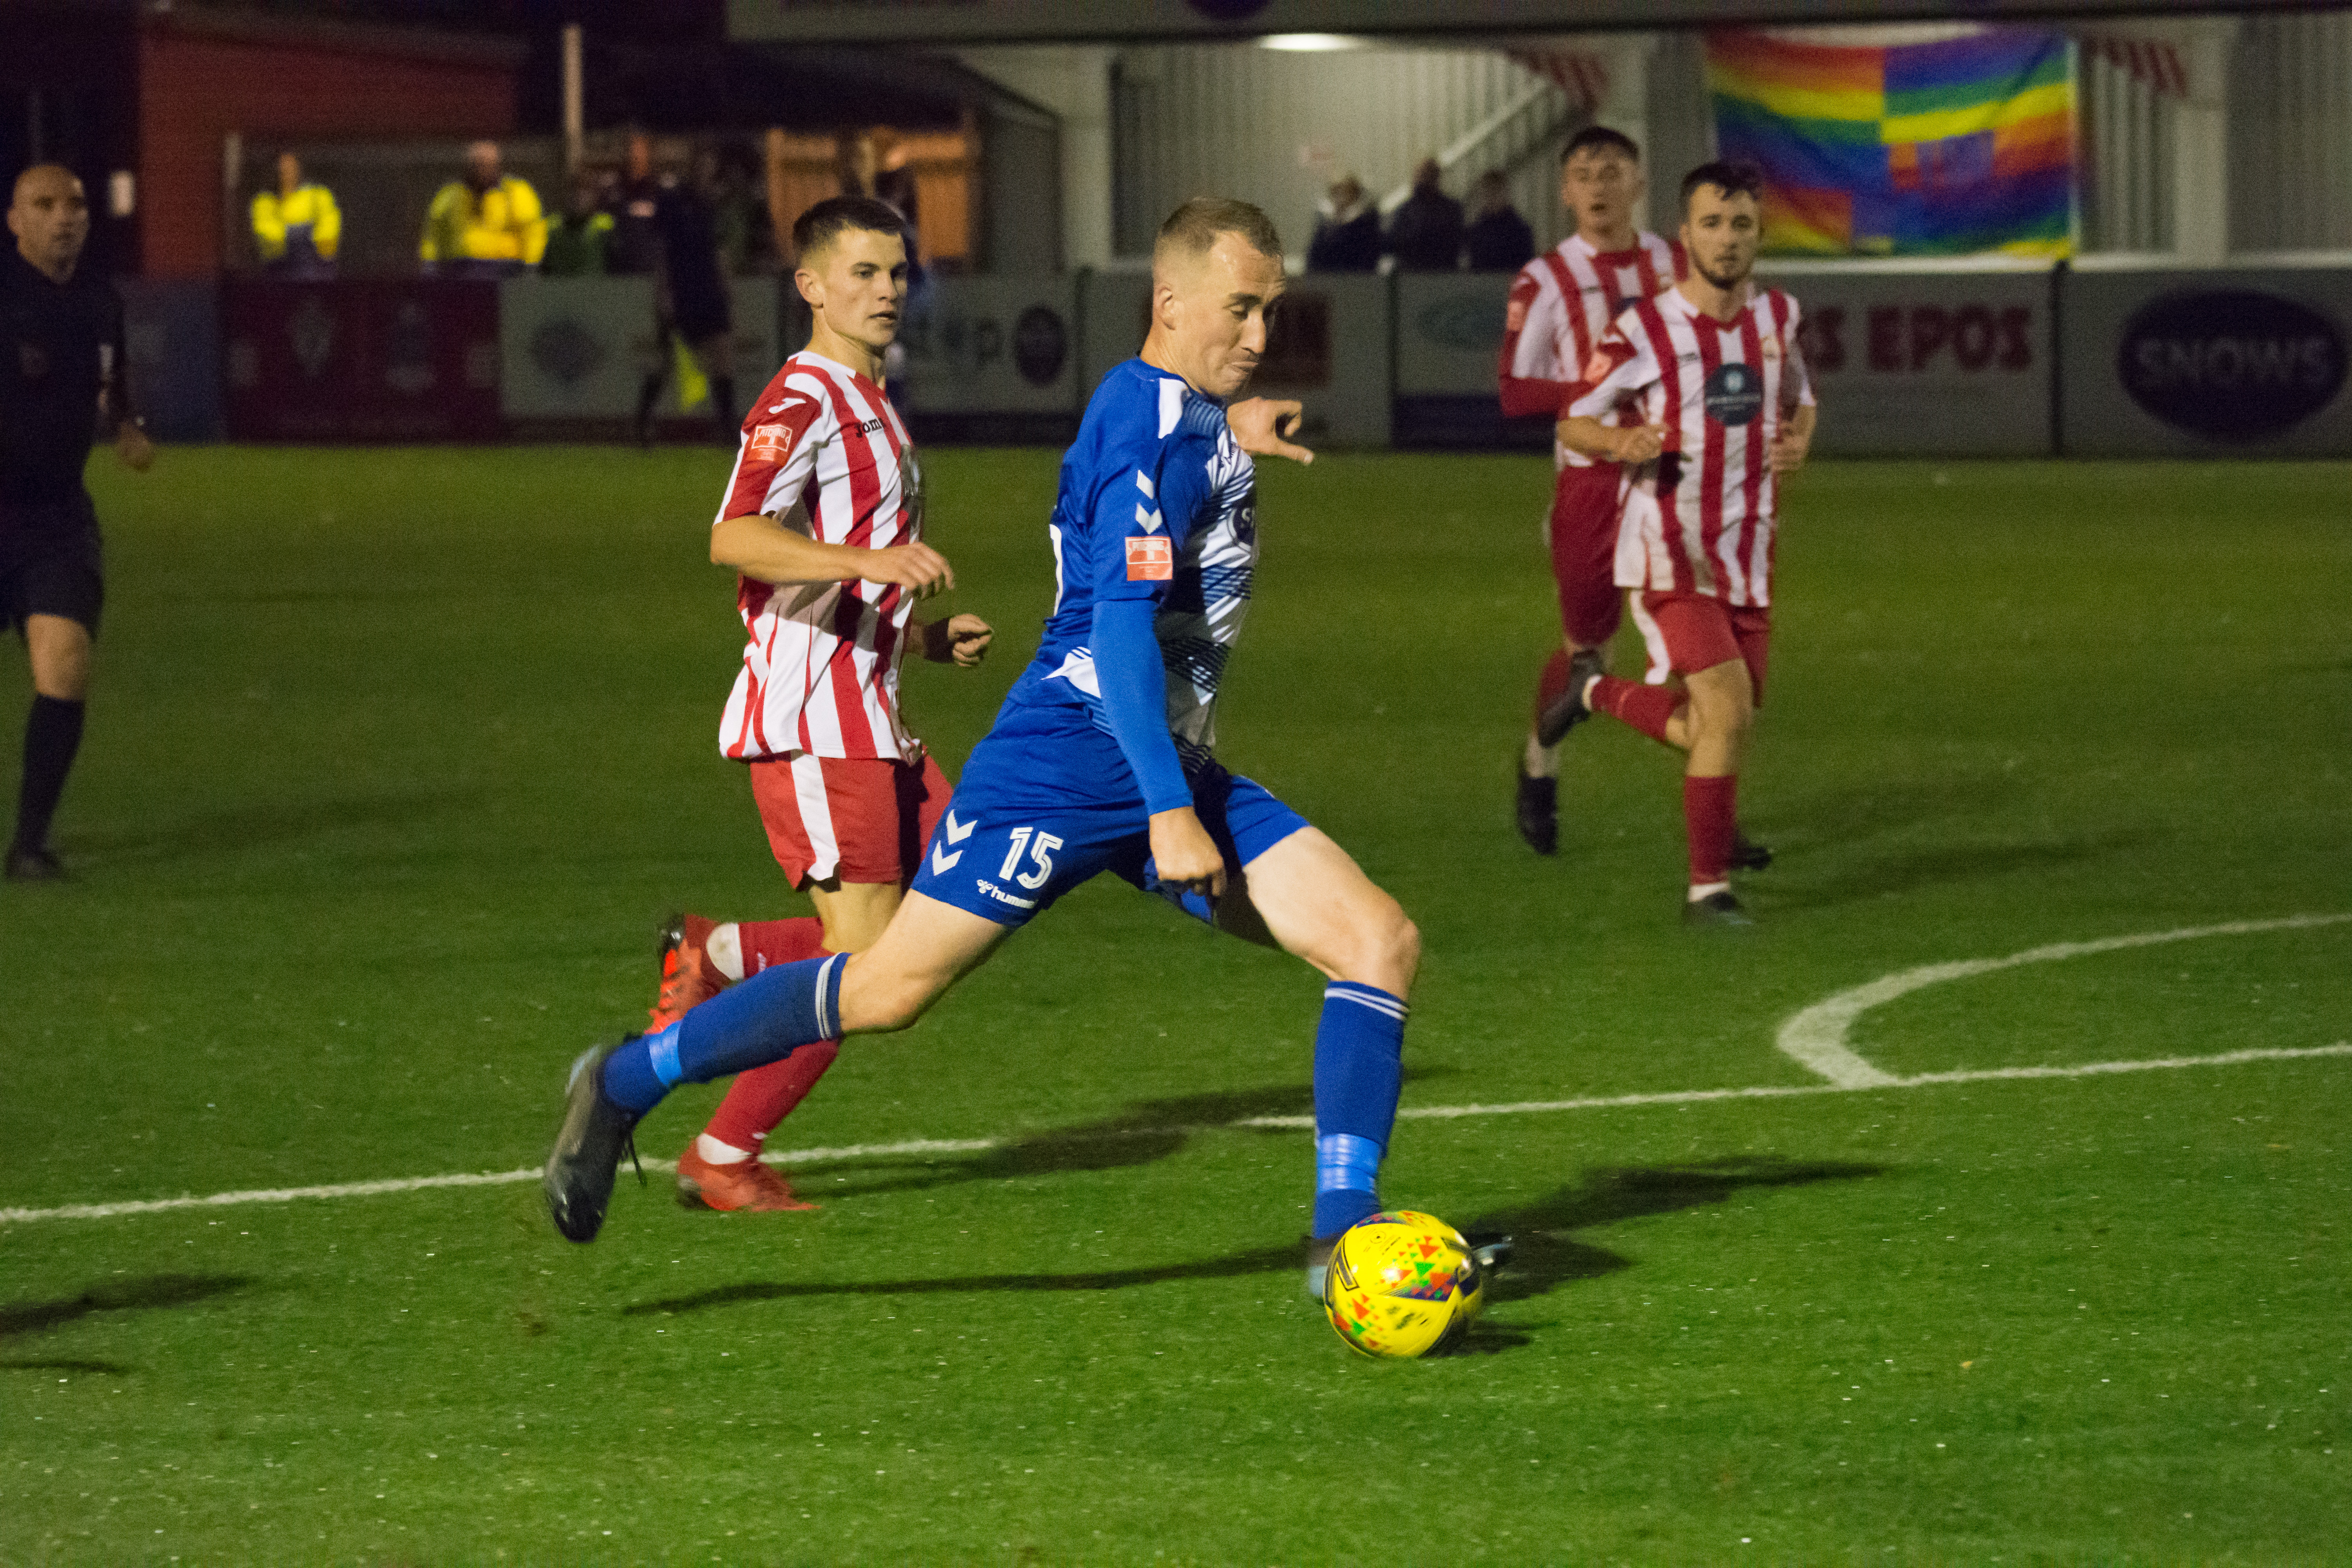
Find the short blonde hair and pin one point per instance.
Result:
(1191, 230)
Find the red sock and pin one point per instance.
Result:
(1646, 708)
(756, 1101)
(1709, 817)
(763, 1096)
(767, 943)
(1553, 683)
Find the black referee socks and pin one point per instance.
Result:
(52, 736)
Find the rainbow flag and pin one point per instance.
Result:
(1952, 148)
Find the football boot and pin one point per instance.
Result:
(1493, 1252)
(1318, 1263)
(1719, 910)
(578, 1180)
(749, 1185)
(1538, 813)
(1746, 855)
(687, 976)
(1568, 709)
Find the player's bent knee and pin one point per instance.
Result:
(1384, 947)
(879, 1002)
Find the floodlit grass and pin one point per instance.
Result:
(397, 756)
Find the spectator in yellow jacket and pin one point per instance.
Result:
(488, 225)
(297, 227)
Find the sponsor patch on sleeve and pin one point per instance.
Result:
(1514, 315)
(1151, 558)
(770, 443)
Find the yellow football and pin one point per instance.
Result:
(1403, 1284)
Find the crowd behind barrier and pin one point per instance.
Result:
(2117, 359)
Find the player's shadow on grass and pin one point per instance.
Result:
(1146, 1131)
(264, 824)
(1858, 877)
(1545, 1256)
(1828, 859)
(153, 1291)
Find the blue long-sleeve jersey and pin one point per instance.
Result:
(1157, 517)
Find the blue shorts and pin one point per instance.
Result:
(1046, 801)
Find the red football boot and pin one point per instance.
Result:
(747, 1184)
(687, 976)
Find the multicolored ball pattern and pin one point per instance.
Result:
(1403, 1284)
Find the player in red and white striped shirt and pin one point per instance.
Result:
(1561, 303)
(1712, 370)
(824, 520)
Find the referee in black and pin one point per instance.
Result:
(61, 381)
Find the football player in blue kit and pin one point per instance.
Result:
(1101, 760)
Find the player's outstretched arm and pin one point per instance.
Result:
(1259, 424)
(959, 640)
(761, 548)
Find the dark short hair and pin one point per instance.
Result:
(1193, 228)
(1731, 179)
(827, 221)
(1601, 136)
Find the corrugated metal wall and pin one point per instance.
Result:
(1273, 128)
(2126, 138)
(2291, 133)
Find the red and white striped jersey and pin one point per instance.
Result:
(1561, 304)
(1701, 519)
(824, 453)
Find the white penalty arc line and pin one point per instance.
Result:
(1817, 1036)
(917, 1146)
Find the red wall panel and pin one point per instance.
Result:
(197, 88)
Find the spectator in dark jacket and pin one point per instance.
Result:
(1498, 239)
(1347, 230)
(1425, 235)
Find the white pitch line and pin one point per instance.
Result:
(1816, 1036)
(981, 1145)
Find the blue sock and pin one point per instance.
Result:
(1358, 1069)
(760, 1020)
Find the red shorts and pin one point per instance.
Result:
(1585, 514)
(861, 819)
(1690, 632)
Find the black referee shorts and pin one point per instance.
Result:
(50, 561)
(700, 313)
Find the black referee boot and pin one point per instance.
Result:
(33, 863)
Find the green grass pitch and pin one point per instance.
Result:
(397, 756)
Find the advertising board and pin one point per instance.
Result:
(171, 329)
(577, 349)
(1449, 338)
(1910, 359)
(2222, 362)
(361, 361)
(993, 359)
